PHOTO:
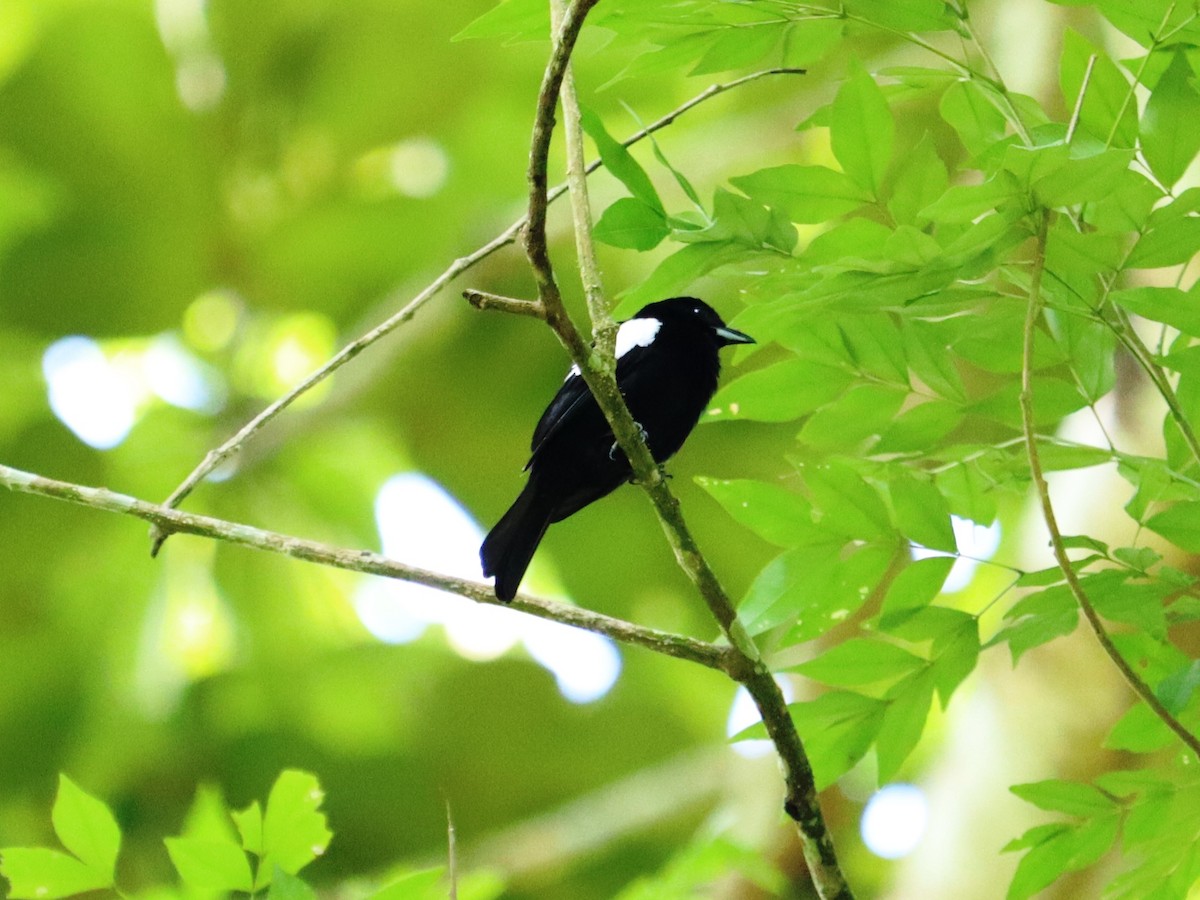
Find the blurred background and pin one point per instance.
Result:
(199, 203)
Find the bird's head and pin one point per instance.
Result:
(691, 313)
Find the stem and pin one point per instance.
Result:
(598, 370)
(366, 562)
(1075, 113)
(483, 300)
(1140, 688)
(508, 236)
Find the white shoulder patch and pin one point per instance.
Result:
(636, 333)
(633, 333)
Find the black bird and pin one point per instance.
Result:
(667, 369)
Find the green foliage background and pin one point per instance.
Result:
(884, 253)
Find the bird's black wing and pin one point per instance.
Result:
(574, 402)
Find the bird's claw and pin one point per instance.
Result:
(616, 447)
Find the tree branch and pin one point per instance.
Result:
(364, 561)
(1140, 688)
(598, 370)
(482, 300)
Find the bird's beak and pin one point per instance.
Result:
(729, 335)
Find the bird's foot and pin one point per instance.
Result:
(616, 448)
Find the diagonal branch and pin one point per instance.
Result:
(598, 368)
(226, 450)
(363, 561)
(1140, 688)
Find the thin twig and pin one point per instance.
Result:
(363, 561)
(483, 300)
(347, 353)
(1140, 688)
(217, 456)
(1078, 111)
(598, 370)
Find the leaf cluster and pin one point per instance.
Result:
(893, 272)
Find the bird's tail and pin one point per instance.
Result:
(509, 547)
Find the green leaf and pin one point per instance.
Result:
(860, 661)
(812, 588)
(294, 832)
(779, 392)
(904, 15)
(1070, 797)
(1082, 179)
(36, 873)
(806, 194)
(1179, 524)
(746, 222)
(1137, 558)
(1171, 123)
(1070, 251)
(921, 179)
(971, 112)
(846, 503)
(631, 224)
(808, 40)
(1084, 542)
(250, 826)
(677, 273)
(87, 828)
(1032, 164)
(912, 591)
(771, 511)
(208, 817)
(874, 347)
(1170, 244)
(1140, 731)
(1035, 836)
(208, 865)
(1176, 690)
(1058, 457)
(1140, 605)
(969, 492)
(862, 130)
(418, 885)
(919, 428)
(513, 20)
(922, 514)
(620, 162)
(964, 203)
(1037, 619)
(837, 729)
(288, 887)
(735, 48)
(863, 411)
(1064, 851)
(903, 723)
(928, 356)
(956, 651)
(1127, 208)
(1170, 306)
